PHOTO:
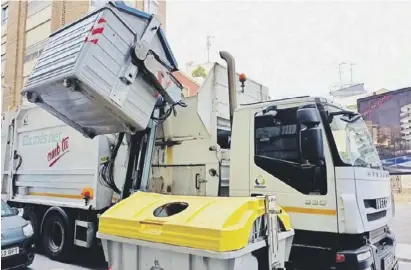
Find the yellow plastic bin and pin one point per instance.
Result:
(153, 231)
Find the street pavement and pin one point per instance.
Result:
(401, 224)
(43, 263)
(87, 260)
(83, 259)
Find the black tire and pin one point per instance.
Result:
(30, 215)
(57, 242)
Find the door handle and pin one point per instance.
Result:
(199, 181)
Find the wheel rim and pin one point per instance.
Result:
(56, 238)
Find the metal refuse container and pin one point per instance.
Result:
(153, 231)
(102, 73)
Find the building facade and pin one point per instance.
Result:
(190, 86)
(406, 122)
(25, 28)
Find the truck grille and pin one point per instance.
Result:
(377, 204)
(376, 215)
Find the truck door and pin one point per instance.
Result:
(304, 188)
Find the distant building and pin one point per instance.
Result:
(190, 86)
(406, 122)
(349, 94)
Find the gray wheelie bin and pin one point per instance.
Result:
(167, 232)
(103, 73)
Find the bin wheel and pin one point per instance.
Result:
(56, 241)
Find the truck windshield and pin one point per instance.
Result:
(354, 143)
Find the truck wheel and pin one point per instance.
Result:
(30, 215)
(56, 241)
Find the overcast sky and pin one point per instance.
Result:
(295, 47)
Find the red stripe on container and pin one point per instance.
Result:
(97, 31)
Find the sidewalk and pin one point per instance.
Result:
(402, 198)
(403, 252)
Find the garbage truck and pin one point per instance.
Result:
(63, 181)
(53, 174)
(311, 153)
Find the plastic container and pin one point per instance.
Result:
(89, 77)
(153, 231)
(209, 223)
(131, 254)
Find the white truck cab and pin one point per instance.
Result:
(320, 161)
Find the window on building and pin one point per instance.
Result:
(3, 64)
(4, 14)
(34, 51)
(151, 6)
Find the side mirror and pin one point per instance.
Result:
(15, 211)
(308, 117)
(311, 141)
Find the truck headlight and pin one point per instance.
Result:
(28, 230)
(363, 256)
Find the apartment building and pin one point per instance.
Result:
(25, 27)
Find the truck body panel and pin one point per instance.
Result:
(57, 162)
(183, 142)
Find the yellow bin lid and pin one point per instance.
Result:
(209, 223)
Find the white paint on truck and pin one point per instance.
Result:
(57, 162)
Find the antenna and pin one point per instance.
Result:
(351, 64)
(209, 47)
(339, 70)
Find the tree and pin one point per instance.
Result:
(199, 72)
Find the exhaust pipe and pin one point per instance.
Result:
(232, 90)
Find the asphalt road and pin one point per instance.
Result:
(83, 259)
(88, 260)
(43, 263)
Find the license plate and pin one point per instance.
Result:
(388, 262)
(9, 252)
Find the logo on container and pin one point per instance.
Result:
(57, 152)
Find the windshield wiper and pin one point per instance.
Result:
(362, 163)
